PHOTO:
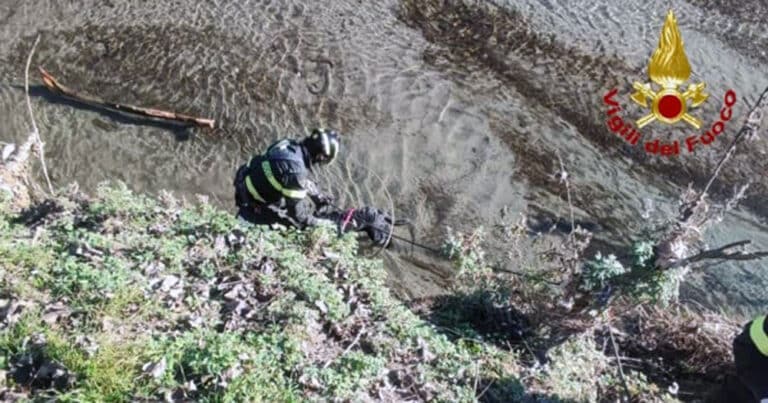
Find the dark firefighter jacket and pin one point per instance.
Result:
(750, 349)
(277, 182)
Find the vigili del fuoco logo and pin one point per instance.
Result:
(669, 70)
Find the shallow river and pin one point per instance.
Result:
(453, 112)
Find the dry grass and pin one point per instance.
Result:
(699, 343)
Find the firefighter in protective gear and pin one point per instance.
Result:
(274, 187)
(750, 351)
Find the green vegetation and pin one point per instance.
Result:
(119, 297)
(160, 298)
(641, 280)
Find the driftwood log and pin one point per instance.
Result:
(60, 89)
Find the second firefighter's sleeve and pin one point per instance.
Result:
(302, 210)
(313, 191)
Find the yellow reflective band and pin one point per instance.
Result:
(252, 190)
(757, 333)
(294, 194)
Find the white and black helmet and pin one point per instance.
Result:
(323, 145)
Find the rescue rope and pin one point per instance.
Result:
(397, 223)
(414, 243)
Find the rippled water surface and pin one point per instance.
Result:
(453, 112)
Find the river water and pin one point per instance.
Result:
(453, 112)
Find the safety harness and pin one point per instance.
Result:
(758, 335)
(277, 151)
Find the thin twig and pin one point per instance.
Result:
(35, 132)
(527, 347)
(749, 127)
(391, 209)
(618, 363)
(349, 347)
(745, 129)
(564, 178)
(721, 253)
(484, 390)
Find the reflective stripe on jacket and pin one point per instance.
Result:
(277, 173)
(758, 335)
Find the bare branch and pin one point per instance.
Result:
(349, 347)
(618, 362)
(563, 177)
(748, 130)
(721, 253)
(35, 132)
